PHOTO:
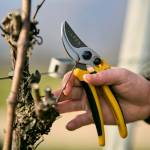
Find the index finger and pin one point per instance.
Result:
(71, 83)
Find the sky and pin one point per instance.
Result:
(98, 23)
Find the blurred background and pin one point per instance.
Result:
(106, 27)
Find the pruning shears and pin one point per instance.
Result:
(83, 56)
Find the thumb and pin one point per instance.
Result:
(107, 77)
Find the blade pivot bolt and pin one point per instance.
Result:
(87, 55)
(97, 61)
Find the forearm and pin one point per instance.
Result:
(146, 74)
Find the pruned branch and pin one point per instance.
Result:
(22, 46)
(37, 9)
(37, 99)
(42, 107)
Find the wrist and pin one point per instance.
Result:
(147, 120)
(146, 74)
(149, 104)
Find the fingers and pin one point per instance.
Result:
(75, 94)
(107, 77)
(79, 121)
(90, 69)
(70, 106)
(72, 82)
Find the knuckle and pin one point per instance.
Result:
(124, 74)
(102, 75)
(123, 70)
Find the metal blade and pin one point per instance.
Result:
(75, 47)
(68, 47)
(72, 37)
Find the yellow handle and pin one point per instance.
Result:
(94, 104)
(113, 103)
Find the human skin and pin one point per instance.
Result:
(132, 91)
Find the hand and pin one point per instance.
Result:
(131, 90)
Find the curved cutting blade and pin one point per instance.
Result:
(66, 43)
(75, 47)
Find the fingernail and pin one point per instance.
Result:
(65, 91)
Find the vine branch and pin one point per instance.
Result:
(22, 46)
(37, 9)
